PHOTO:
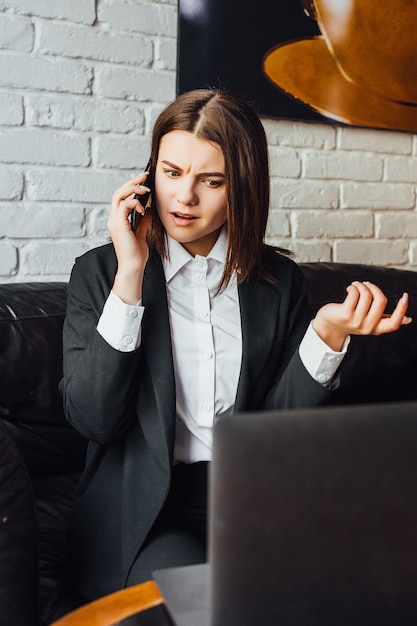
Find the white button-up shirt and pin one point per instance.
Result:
(207, 344)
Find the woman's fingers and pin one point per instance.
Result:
(135, 185)
(398, 317)
(370, 307)
(357, 305)
(368, 315)
(136, 180)
(125, 200)
(128, 190)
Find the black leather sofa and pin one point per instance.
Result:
(41, 457)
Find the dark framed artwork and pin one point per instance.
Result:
(335, 61)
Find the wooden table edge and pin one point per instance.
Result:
(114, 607)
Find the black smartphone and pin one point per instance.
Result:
(144, 199)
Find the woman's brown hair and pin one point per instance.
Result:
(225, 119)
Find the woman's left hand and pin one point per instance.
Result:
(361, 313)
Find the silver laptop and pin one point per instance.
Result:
(314, 518)
(313, 521)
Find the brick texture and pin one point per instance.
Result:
(81, 84)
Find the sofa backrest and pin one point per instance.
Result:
(375, 369)
(31, 319)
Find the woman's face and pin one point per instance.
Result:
(190, 190)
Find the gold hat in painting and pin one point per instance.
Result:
(362, 69)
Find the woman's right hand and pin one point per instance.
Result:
(131, 247)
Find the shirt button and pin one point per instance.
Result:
(133, 314)
(199, 264)
(209, 354)
(332, 359)
(207, 407)
(323, 378)
(128, 340)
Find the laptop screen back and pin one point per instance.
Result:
(313, 517)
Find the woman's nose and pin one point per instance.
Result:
(186, 192)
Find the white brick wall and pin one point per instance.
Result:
(81, 83)
(343, 194)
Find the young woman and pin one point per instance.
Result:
(189, 318)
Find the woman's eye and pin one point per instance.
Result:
(213, 183)
(172, 173)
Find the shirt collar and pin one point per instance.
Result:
(178, 255)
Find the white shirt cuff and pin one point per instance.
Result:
(120, 324)
(319, 360)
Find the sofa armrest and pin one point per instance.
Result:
(31, 320)
(18, 539)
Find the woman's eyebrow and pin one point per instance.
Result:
(177, 167)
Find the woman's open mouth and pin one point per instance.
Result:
(183, 218)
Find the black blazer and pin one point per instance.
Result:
(124, 403)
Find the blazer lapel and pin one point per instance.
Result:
(158, 354)
(259, 303)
